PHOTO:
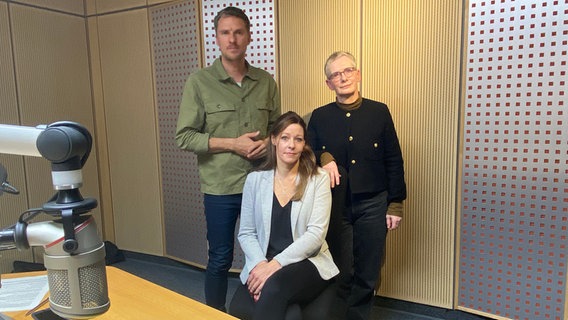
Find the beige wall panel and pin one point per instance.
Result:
(101, 142)
(8, 102)
(11, 206)
(131, 130)
(104, 6)
(71, 6)
(53, 79)
(309, 31)
(411, 61)
(90, 7)
(152, 2)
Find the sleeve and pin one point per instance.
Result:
(248, 229)
(309, 242)
(394, 164)
(191, 120)
(313, 138)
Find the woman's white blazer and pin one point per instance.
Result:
(309, 222)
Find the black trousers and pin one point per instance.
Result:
(356, 238)
(283, 295)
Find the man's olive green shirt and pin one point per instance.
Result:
(215, 106)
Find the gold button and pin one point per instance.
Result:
(350, 138)
(353, 161)
(376, 145)
(348, 114)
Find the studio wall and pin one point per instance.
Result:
(118, 68)
(45, 78)
(514, 214)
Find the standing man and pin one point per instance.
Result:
(225, 114)
(356, 143)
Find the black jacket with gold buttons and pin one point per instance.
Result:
(364, 142)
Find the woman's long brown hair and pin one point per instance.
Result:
(307, 167)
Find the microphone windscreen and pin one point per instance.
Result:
(78, 284)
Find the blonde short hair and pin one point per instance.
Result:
(336, 55)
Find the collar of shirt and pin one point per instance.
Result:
(220, 73)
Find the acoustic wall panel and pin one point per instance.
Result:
(101, 140)
(411, 61)
(53, 84)
(52, 72)
(68, 6)
(261, 51)
(514, 219)
(309, 31)
(106, 6)
(176, 52)
(11, 206)
(130, 116)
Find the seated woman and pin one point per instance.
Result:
(284, 219)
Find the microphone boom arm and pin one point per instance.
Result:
(67, 146)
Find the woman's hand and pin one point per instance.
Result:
(258, 276)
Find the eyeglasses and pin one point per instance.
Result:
(348, 72)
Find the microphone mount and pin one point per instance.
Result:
(67, 146)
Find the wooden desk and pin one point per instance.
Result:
(132, 297)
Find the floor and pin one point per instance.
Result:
(188, 281)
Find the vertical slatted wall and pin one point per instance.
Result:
(409, 53)
(411, 61)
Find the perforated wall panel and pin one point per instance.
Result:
(514, 217)
(175, 36)
(261, 51)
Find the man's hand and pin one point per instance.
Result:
(334, 175)
(393, 221)
(259, 150)
(258, 276)
(249, 146)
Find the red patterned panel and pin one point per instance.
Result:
(261, 51)
(514, 217)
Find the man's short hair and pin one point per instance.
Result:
(336, 55)
(231, 12)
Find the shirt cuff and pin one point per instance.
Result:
(326, 158)
(395, 209)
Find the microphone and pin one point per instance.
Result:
(4, 185)
(77, 282)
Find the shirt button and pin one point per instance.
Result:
(350, 138)
(323, 147)
(348, 114)
(353, 161)
(376, 145)
(246, 124)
